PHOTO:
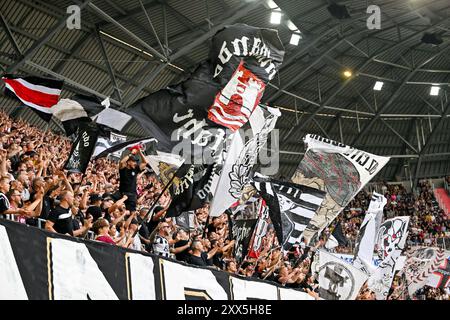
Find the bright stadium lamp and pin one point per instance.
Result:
(275, 18)
(295, 39)
(378, 85)
(434, 91)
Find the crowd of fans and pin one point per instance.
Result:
(112, 199)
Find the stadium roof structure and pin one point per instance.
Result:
(129, 49)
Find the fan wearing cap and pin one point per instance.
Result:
(128, 171)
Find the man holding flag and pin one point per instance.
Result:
(128, 171)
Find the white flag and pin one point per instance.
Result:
(368, 233)
(338, 280)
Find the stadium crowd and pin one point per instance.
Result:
(111, 200)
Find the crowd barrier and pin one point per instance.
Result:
(40, 265)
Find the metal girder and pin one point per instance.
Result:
(303, 72)
(73, 51)
(361, 67)
(429, 142)
(107, 17)
(108, 64)
(408, 137)
(239, 13)
(42, 41)
(71, 82)
(395, 94)
(9, 34)
(135, 93)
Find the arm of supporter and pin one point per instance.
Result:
(118, 203)
(117, 220)
(144, 162)
(130, 218)
(84, 229)
(123, 162)
(212, 252)
(49, 224)
(180, 249)
(3, 170)
(84, 199)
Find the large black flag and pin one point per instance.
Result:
(189, 118)
(291, 207)
(82, 148)
(242, 232)
(191, 189)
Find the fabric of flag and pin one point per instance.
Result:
(337, 238)
(420, 263)
(112, 118)
(82, 148)
(390, 242)
(260, 230)
(40, 94)
(242, 232)
(365, 242)
(177, 118)
(76, 110)
(235, 103)
(164, 164)
(240, 158)
(185, 220)
(120, 146)
(440, 278)
(291, 207)
(191, 190)
(338, 280)
(116, 138)
(340, 170)
(260, 49)
(182, 190)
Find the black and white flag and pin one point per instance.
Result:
(365, 242)
(291, 207)
(119, 146)
(337, 238)
(242, 232)
(338, 280)
(186, 220)
(82, 148)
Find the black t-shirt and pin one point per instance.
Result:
(62, 218)
(143, 231)
(95, 212)
(201, 261)
(128, 178)
(183, 255)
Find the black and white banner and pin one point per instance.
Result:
(291, 207)
(82, 148)
(340, 170)
(390, 241)
(242, 233)
(365, 243)
(338, 280)
(40, 265)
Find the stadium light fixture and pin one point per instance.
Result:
(295, 39)
(434, 91)
(347, 73)
(291, 25)
(272, 4)
(275, 18)
(378, 85)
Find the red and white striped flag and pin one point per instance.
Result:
(41, 94)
